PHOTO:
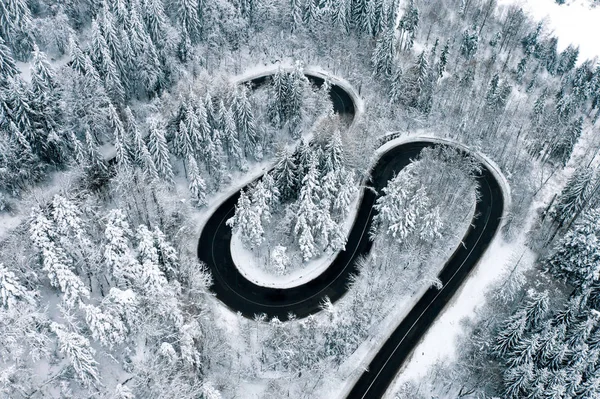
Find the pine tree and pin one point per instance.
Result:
(384, 53)
(11, 289)
(106, 328)
(408, 25)
(242, 111)
(345, 193)
(45, 105)
(261, 201)
(230, 136)
(154, 282)
(167, 255)
(518, 381)
(561, 151)
(400, 209)
(79, 352)
(55, 261)
(188, 18)
(16, 27)
(279, 259)
(196, 184)
(157, 146)
(307, 213)
(311, 13)
(333, 154)
(567, 60)
(273, 190)
(396, 85)
(295, 13)
(120, 140)
(117, 254)
(78, 58)
(8, 68)
(341, 15)
(182, 142)
(156, 21)
(285, 175)
(443, 59)
(247, 222)
(576, 257)
(470, 43)
(114, 44)
(511, 333)
(574, 196)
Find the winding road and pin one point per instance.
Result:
(241, 295)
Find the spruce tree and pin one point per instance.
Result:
(157, 145)
(285, 175)
(307, 213)
(247, 222)
(576, 257)
(384, 53)
(574, 196)
(196, 184)
(8, 67)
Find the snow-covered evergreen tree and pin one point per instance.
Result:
(80, 354)
(577, 256)
(106, 328)
(307, 213)
(154, 282)
(247, 222)
(279, 259)
(157, 145)
(11, 289)
(55, 261)
(574, 196)
(285, 175)
(383, 58)
(196, 184)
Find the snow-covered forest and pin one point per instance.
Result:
(125, 123)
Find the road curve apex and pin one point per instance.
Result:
(484, 159)
(312, 70)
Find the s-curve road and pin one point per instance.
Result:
(241, 295)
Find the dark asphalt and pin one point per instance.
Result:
(243, 296)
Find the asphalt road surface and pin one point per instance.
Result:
(243, 296)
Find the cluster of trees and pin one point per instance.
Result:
(287, 97)
(117, 290)
(135, 50)
(306, 197)
(422, 203)
(548, 352)
(370, 17)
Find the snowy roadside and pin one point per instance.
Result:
(395, 310)
(439, 343)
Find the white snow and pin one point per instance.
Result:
(573, 23)
(247, 263)
(439, 343)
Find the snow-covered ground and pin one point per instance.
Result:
(575, 22)
(439, 343)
